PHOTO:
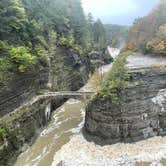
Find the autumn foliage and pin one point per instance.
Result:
(148, 34)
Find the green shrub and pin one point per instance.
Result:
(42, 41)
(21, 58)
(69, 42)
(3, 45)
(78, 49)
(42, 55)
(117, 79)
(5, 64)
(63, 41)
(2, 133)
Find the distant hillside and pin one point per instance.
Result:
(116, 34)
(148, 34)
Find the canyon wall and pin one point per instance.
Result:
(22, 116)
(20, 128)
(66, 71)
(141, 113)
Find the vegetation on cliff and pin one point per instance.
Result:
(28, 27)
(2, 133)
(116, 80)
(148, 34)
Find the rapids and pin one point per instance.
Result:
(62, 143)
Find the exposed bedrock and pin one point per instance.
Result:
(23, 114)
(66, 71)
(20, 88)
(141, 114)
(21, 128)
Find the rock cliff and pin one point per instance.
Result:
(66, 71)
(69, 71)
(20, 88)
(22, 116)
(141, 113)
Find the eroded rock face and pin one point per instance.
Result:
(69, 71)
(20, 88)
(21, 127)
(66, 71)
(141, 114)
(100, 58)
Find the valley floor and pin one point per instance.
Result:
(62, 143)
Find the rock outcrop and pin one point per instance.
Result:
(141, 114)
(67, 71)
(20, 88)
(100, 58)
(22, 126)
(22, 114)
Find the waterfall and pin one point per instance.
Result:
(114, 52)
(48, 111)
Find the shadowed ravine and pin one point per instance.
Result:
(66, 122)
(62, 143)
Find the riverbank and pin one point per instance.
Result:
(79, 152)
(66, 121)
(66, 71)
(61, 142)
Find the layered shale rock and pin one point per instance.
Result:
(67, 70)
(22, 126)
(20, 88)
(140, 114)
(22, 112)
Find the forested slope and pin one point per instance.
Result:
(46, 41)
(27, 27)
(116, 35)
(148, 34)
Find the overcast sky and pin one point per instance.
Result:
(118, 11)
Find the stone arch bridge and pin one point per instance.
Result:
(67, 95)
(53, 98)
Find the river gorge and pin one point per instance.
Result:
(66, 122)
(82, 83)
(62, 141)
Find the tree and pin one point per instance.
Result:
(99, 35)
(13, 19)
(148, 33)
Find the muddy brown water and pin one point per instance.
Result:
(66, 121)
(62, 144)
(63, 124)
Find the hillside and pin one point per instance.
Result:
(116, 35)
(28, 27)
(148, 34)
(46, 44)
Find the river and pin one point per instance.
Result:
(62, 143)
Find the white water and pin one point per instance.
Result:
(61, 143)
(113, 51)
(79, 152)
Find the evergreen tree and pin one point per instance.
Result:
(13, 21)
(99, 35)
